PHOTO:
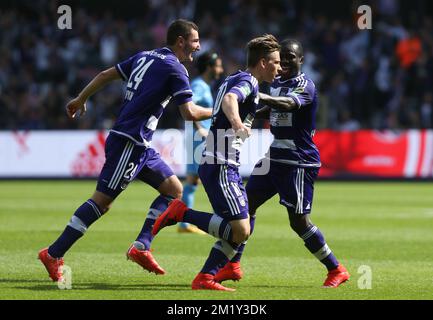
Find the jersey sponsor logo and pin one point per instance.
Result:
(280, 91)
(281, 119)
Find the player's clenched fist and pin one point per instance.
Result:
(242, 131)
(74, 106)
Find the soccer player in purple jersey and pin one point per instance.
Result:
(233, 114)
(153, 79)
(293, 161)
(210, 68)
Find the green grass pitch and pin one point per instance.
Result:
(385, 226)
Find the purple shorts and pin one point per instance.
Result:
(294, 185)
(225, 190)
(126, 161)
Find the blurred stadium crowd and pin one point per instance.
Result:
(380, 78)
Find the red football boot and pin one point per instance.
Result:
(206, 281)
(145, 259)
(53, 265)
(172, 215)
(336, 277)
(231, 271)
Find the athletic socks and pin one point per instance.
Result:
(83, 217)
(157, 207)
(223, 250)
(221, 253)
(314, 241)
(241, 247)
(316, 244)
(89, 212)
(210, 223)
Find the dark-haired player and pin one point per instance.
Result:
(153, 79)
(233, 114)
(293, 161)
(210, 68)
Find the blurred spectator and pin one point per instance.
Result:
(347, 123)
(380, 78)
(408, 50)
(427, 111)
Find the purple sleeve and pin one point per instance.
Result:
(180, 88)
(124, 68)
(243, 89)
(303, 94)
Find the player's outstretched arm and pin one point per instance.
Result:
(230, 107)
(97, 83)
(263, 113)
(280, 103)
(192, 112)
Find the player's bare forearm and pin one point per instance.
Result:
(230, 108)
(200, 113)
(202, 131)
(263, 113)
(280, 103)
(78, 105)
(193, 112)
(98, 82)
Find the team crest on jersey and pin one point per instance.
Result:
(124, 184)
(242, 201)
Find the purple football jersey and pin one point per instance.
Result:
(293, 131)
(154, 78)
(222, 144)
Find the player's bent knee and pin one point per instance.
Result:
(241, 235)
(299, 223)
(103, 201)
(240, 230)
(171, 187)
(104, 208)
(240, 238)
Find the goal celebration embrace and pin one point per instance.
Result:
(248, 153)
(157, 79)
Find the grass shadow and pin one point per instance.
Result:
(22, 281)
(41, 285)
(276, 286)
(103, 287)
